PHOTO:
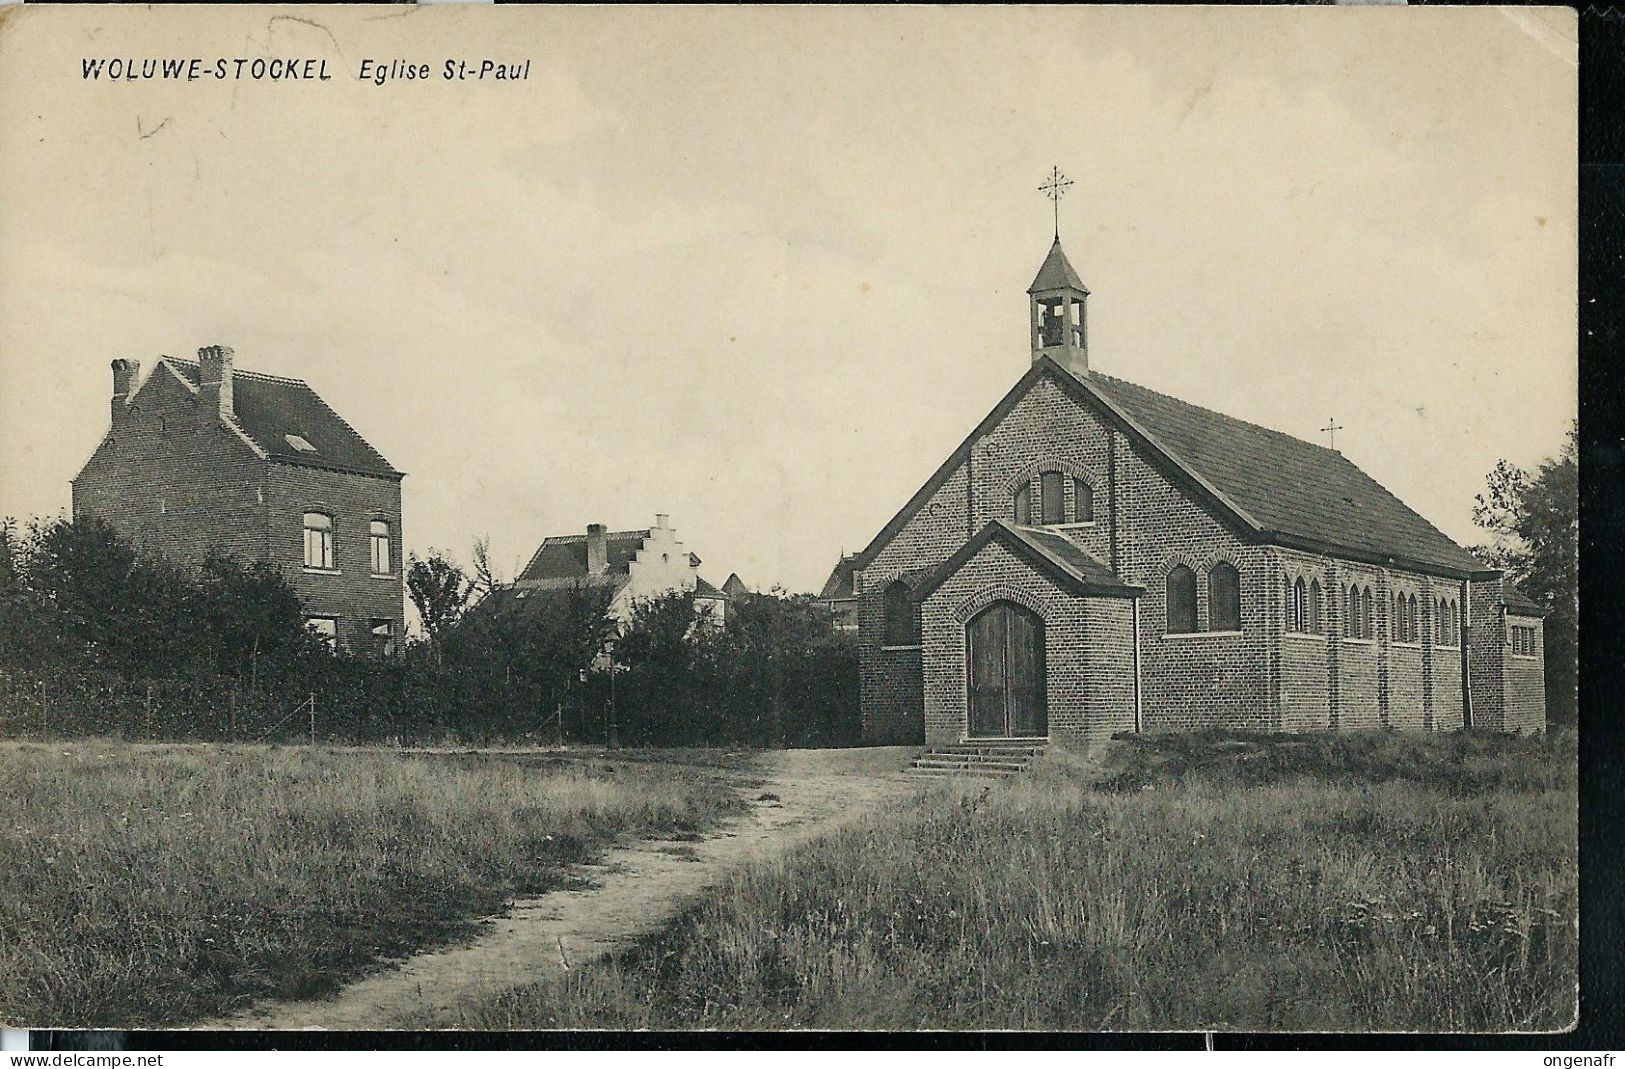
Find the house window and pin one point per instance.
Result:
(1024, 504)
(1083, 502)
(899, 628)
(1223, 598)
(379, 537)
(383, 637)
(318, 540)
(1181, 601)
(1050, 486)
(325, 628)
(1523, 640)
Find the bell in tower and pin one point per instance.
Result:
(1060, 323)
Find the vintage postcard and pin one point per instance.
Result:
(788, 518)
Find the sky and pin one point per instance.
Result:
(763, 268)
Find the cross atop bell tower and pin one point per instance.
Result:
(1057, 297)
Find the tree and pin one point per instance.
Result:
(485, 581)
(250, 613)
(439, 590)
(1534, 526)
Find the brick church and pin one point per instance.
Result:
(1097, 558)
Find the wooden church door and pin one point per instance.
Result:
(1006, 673)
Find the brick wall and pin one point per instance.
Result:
(354, 595)
(889, 680)
(1088, 649)
(1488, 656)
(177, 487)
(1524, 711)
(1371, 682)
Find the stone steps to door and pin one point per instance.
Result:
(984, 759)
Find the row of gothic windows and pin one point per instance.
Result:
(1303, 609)
(1223, 599)
(1051, 501)
(1303, 614)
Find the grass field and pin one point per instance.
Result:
(1358, 882)
(148, 886)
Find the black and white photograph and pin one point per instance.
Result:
(769, 519)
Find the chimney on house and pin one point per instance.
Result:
(662, 520)
(125, 374)
(597, 549)
(214, 383)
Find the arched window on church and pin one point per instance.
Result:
(1223, 598)
(899, 624)
(1297, 605)
(1312, 618)
(1351, 611)
(1023, 504)
(1413, 619)
(1181, 600)
(1051, 490)
(1368, 619)
(1083, 502)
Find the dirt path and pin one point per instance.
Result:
(637, 887)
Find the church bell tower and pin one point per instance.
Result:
(1060, 322)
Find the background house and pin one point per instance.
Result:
(838, 598)
(641, 564)
(204, 458)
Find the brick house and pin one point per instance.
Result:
(838, 599)
(207, 458)
(1097, 558)
(634, 565)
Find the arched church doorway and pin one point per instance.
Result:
(1005, 673)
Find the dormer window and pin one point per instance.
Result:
(299, 443)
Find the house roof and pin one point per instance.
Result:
(1049, 552)
(1270, 486)
(839, 584)
(271, 411)
(735, 586)
(564, 557)
(1056, 273)
(702, 589)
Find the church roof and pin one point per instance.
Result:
(273, 412)
(1521, 604)
(1272, 487)
(1056, 273)
(1293, 490)
(1050, 552)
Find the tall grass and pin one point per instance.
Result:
(1360, 884)
(157, 886)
